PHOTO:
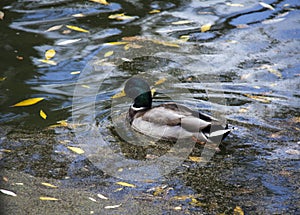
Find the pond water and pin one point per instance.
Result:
(235, 60)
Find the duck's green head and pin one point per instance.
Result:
(139, 90)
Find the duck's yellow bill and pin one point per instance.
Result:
(119, 95)
(122, 94)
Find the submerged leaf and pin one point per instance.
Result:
(28, 102)
(48, 185)
(196, 159)
(75, 149)
(75, 28)
(238, 211)
(112, 206)
(104, 2)
(205, 27)
(160, 81)
(7, 192)
(46, 198)
(125, 184)
(43, 114)
(109, 53)
(102, 196)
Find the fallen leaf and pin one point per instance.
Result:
(51, 62)
(116, 43)
(112, 206)
(196, 159)
(177, 208)
(238, 211)
(104, 2)
(2, 78)
(54, 28)
(48, 185)
(20, 57)
(164, 43)
(184, 38)
(154, 11)
(263, 99)
(67, 42)
(28, 102)
(92, 199)
(121, 17)
(75, 149)
(46, 198)
(296, 119)
(160, 81)
(132, 45)
(1, 15)
(205, 27)
(43, 114)
(78, 15)
(182, 22)
(109, 53)
(265, 5)
(75, 28)
(75, 72)
(85, 86)
(50, 54)
(7, 192)
(234, 4)
(125, 184)
(102, 196)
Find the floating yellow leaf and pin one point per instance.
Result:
(75, 72)
(109, 53)
(54, 28)
(116, 43)
(92, 199)
(46, 198)
(8, 192)
(48, 185)
(75, 28)
(28, 102)
(75, 149)
(265, 5)
(49, 54)
(43, 114)
(238, 211)
(205, 27)
(196, 159)
(119, 95)
(51, 62)
(120, 17)
(182, 22)
(1, 15)
(132, 45)
(112, 206)
(104, 2)
(2, 78)
(160, 81)
(154, 11)
(184, 38)
(125, 184)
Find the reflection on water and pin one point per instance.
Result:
(245, 68)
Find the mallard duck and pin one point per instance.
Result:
(169, 121)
